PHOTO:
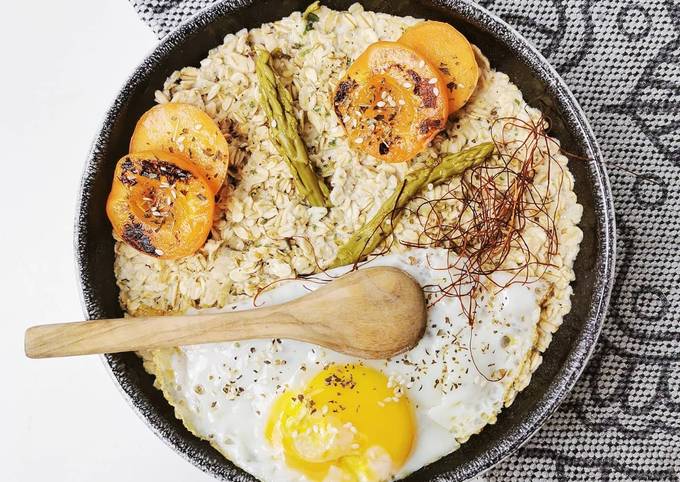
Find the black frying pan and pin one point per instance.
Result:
(509, 52)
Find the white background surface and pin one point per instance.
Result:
(62, 420)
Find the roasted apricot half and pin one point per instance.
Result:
(160, 204)
(185, 130)
(450, 52)
(392, 102)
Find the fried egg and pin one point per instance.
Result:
(291, 411)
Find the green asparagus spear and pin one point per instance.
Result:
(283, 130)
(311, 8)
(368, 237)
(310, 17)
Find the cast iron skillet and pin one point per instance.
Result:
(508, 52)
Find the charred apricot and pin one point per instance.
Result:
(450, 52)
(185, 130)
(392, 102)
(160, 204)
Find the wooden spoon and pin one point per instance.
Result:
(371, 313)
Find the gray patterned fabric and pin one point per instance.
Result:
(622, 60)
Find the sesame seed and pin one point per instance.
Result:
(402, 102)
(359, 140)
(433, 80)
(380, 103)
(407, 85)
(435, 91)
(273, 123)
(159, 252)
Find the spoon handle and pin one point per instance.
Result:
(140, 333)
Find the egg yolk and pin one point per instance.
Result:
(347, 424)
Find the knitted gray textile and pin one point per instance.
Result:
(622, 61)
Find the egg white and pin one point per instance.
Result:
(223, 392)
